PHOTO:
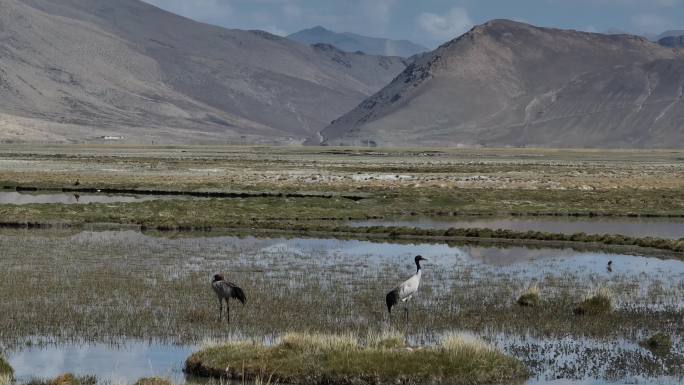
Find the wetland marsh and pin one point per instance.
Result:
(122, 287)
(119, 289)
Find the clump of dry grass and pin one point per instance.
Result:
(153, 381)
(385, 339)
(598, 302)
(466, 343)
(65, 379)
(317, 342)
(530, 297)
(6, 372)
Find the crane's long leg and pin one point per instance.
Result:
(220, 308)
(228, 310)
(406, 311)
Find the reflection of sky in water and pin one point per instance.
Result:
(116, 364)
(671, 228)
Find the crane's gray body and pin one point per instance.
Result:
(225, 291)
(406, 290)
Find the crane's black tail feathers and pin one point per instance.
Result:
(392, 299)
(238, 294)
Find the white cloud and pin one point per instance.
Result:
(447, 26)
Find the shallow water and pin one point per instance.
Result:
(253, 261)
(121, 364)
(670, 228)
(23, 198)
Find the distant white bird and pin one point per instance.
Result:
(226, 290)
(406, 290)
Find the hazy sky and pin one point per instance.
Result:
(430, 22)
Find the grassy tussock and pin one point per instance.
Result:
(6, 379)
(323, 359)
(530, 297)
(467, 343)
(385, 339)
(153, 381)
(6, 371)
(316, 343)
(659, 344)
(599, 302)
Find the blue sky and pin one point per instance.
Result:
(430, 22)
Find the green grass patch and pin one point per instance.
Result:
(342, 359)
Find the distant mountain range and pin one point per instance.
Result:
(102, 70)
(671, 33)
(672, 41)
(351, 42)
(506, 83)
(77, 70)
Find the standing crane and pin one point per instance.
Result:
(225, 291)
(406, 290)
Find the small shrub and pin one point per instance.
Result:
(659, 343)
(599, 303)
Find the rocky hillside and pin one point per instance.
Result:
(78, 70)
(506, 83)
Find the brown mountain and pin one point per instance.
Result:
(75, 70)
(511, 84)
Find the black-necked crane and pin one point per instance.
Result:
(406, 290)
(225, 291)
(610, 266)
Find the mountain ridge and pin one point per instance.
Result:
(505, 83)
(130, 69)
(352, 42)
